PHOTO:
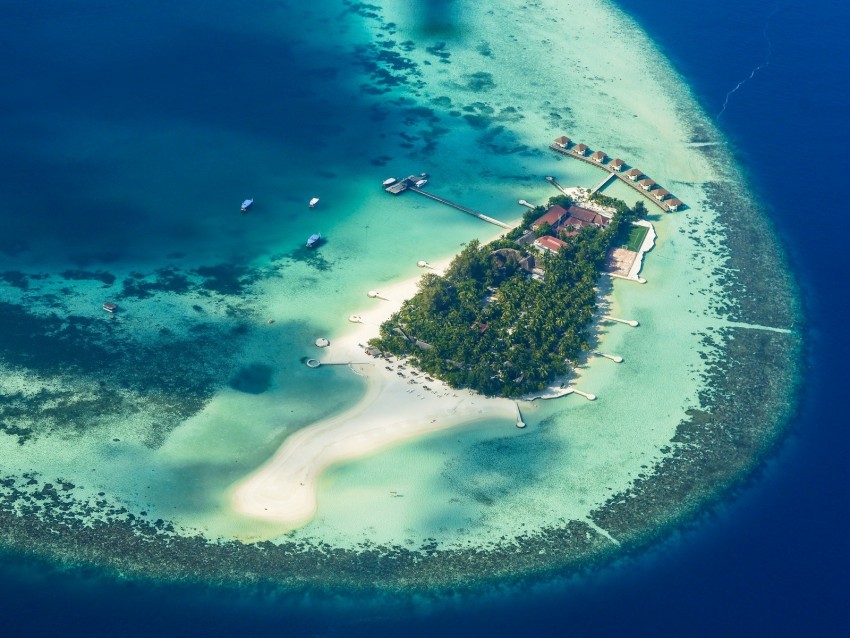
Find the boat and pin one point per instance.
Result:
(313, 202)
(421, 182)
(390, 181)
(314, 240)
(108, 306)
(247, 204)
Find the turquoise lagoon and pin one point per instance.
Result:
(157, 412)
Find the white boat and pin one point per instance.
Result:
(314, 240)
(313, 202)
(421, 182)
(390, 181)
(247, 204)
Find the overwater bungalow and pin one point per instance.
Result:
(581, 149)
(562, 141)
(598, 156)
(633, 174)
(617, 164)
(674, 204)
(660, 194)
(647, 184)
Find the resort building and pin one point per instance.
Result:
(660, 194)
(647, 184)
(562, 141)
(560, 218)
(633, 174)
(617, 164)
(553, 217)
(598, 156)
(674, 204)
(581, 149)
(552, 244)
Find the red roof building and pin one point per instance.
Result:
(562, 141)
(646, 184)
(553, 217)
(674, 204)
(598, 156)
(581, 149)
(586, 216)
(550, 243)
(660, 194)
(617, 164)
(633, 174)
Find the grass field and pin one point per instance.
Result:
(635, 238)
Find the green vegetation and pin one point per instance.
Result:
(489, 326)
(635, 238)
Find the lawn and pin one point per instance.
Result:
(635, 238)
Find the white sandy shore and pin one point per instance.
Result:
(283, 490)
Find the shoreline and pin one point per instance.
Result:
(394, 409)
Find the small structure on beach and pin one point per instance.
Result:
(562, 141)
(598, 156)
(617, 164)
(633, 174)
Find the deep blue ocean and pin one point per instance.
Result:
(774, 560)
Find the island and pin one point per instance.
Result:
(511, 316)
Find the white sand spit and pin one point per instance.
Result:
(394, 409)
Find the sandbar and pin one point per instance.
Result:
(395, 408)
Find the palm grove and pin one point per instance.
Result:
(486, 325)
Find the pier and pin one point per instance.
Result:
(414, 184)
(603, 183)
(611, 175)
(555, 183)
(628, 322)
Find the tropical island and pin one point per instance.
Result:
(509, 317)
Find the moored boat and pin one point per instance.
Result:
(314, 240)
(110, 307)
(247, 204)
(389, 182)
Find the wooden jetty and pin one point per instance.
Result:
(466, 210)
(603, 183)
(414, 184)
(611, 175)
(555, 183)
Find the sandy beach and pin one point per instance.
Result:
(399, 404)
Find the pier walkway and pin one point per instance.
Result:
(603, 183)
(464, 209)
(611, 173)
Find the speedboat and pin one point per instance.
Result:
(389, 182)
(109, 306)
(314, 240)
(313, 202)
(247, 204)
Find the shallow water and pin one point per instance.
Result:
(149, 411)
